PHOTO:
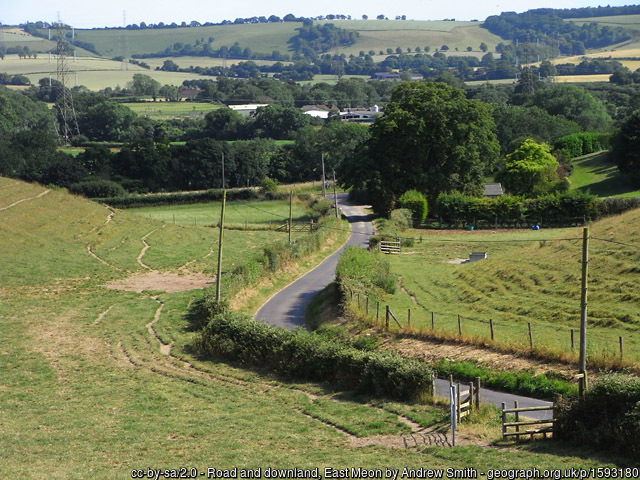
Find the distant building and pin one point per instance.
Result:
(492, 190)
(246, 110)
(362, 115)
(395, 76)
(319, 111)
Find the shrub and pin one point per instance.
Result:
(607, 416)
(268, 186)
(416, 202)
(402, 218)
(581, 143)
(364, 271)
(98, 189)
(309, 356)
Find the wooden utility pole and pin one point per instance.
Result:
(583, 385)
(220, 239)
(324, 183)
(290, 215)
(335, 194)
(222, 170)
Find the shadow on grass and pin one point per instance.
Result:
(564, 449)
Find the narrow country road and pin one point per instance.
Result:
(287, 308)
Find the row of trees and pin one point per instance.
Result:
(433, 137)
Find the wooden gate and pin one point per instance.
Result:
(390, 247)
(538, 427)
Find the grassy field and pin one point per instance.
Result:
(240, 213)
(262, 38)
(596, 174)
(99, 381)
(528, 277)
(92, 72)
(624, 21)
(379, 35)
(172, 109)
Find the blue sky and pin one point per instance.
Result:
(89, 14)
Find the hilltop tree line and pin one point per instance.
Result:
(477, 132)
(548, 27)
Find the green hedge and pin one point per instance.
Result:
(559, 209)
(523, 383)
(161, 199)
(305, 355)
(607, 416)
(359, 270)
(582, 143)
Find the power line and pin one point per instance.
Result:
(637, 247)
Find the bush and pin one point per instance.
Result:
(363, 271)
(606, 417)
(417, 203)
(309, 356)
(98, 189)
(268, 186)
(402, 218)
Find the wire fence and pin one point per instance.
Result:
(559, 342)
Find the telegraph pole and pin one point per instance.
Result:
(222, 170)
(324, 186)
(335, 194)
(290, 214)
(583, 384)
(220, 239)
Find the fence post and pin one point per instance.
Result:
(377, 311)
(471, 395)
(433, 323)
(621, 348)
(504, 421)
(433, 384)
(572, 342)
(458, 418)
(387, 317)
(459, 326)
(408, 317)
(367, 305)
(530, 336)
(477, 393)
(358, 295)
(515, 404)
(491, 326)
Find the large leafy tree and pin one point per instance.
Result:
(573, 103)
(625, 148)
(431, 139)
(530, 170)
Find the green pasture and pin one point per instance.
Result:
(412, 34)
(92, 72)
(624, 21)
(186, 61)
(172, 109)
(597, 174)
(263, 38)
(101, 381)
(253, 214)
(528, 277)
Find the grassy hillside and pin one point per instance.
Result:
(528, 277)
(265, 38)
(596, 174)
(97, 379)
(92, 72)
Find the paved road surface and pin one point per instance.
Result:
(496, 398)
(286, 309)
